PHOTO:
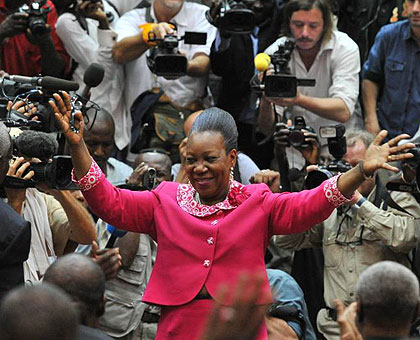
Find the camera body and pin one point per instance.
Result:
(282, 84)
(38, 15)
(149, 179)
(337, 148)
(233, 17)
(165, 59)
(296, 137)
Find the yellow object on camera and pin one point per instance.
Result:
(147, 33)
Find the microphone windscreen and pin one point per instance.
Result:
(52, 83)
(262, 61)
(36, 144)
(94, 75)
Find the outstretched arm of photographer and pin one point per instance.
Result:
(329, 108)
(370, 92)
(199, 65)
(69, 220)
(52, 63)
(265, 119)
(133, 47)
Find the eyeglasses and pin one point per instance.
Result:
(341, 238)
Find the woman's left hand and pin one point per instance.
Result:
(378, 155)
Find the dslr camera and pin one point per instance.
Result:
(410, 180)
(38, 14)
(232, 17)
(165, 59)
(282, 84)
(337, 148)
(296, 137)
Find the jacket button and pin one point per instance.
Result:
(206, 263)
(210, 241)
(219, 213)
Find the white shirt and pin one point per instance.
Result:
(124, 6)
(336, 71)
(183, 90)
(96, 47)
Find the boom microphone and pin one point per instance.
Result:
(93, 76)
(47, 82)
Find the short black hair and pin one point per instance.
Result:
(217, 120)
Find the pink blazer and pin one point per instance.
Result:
(196, 251)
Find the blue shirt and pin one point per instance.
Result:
(287, 290)
(393, 64)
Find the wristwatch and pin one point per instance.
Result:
(360, 202)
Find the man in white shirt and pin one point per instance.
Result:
(88, 36)
(130, 50)
(321, 53)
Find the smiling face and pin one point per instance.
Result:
(208, 165)
(307, 27)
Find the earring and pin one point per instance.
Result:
(231, 174)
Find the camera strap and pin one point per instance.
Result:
(383, 195)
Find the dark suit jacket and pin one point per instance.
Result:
(15, 241)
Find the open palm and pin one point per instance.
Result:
(61, 106)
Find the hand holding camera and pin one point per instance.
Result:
(143, 177)
(94, 10)
(14, 24)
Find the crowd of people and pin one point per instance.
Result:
(242, 170)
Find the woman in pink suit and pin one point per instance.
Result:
(212, 228)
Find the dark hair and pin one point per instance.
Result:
(306, 5)
(217, 120)
(81, 278)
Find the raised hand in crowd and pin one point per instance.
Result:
(269, 177)
(109, 260)
(346, 318)
(242, 320)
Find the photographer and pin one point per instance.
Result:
(26, 52)
(321, 53)
(138, 253)
(86, 29)
(232, 58)
(174, 96)
(55, 216)
(377, 225)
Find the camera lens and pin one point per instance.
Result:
(316, 177)
(296, 138)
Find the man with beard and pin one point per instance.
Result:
(321, 53)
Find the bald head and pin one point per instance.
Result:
(388, 294)
(190, 120)
(38, 313)
(82, 279)
(5, 150)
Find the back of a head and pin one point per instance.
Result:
(82, 279)
(219, 121)
(388, 294)
(38, 313)
(99, 121)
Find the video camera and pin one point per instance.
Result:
(38, 14)
(32, 90)
(165, 59)
(282, 84)
(232, 17)
(337, 148)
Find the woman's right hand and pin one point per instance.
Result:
(63, 115)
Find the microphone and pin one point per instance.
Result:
(93, 76)
(262, 61)
(47, 82)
